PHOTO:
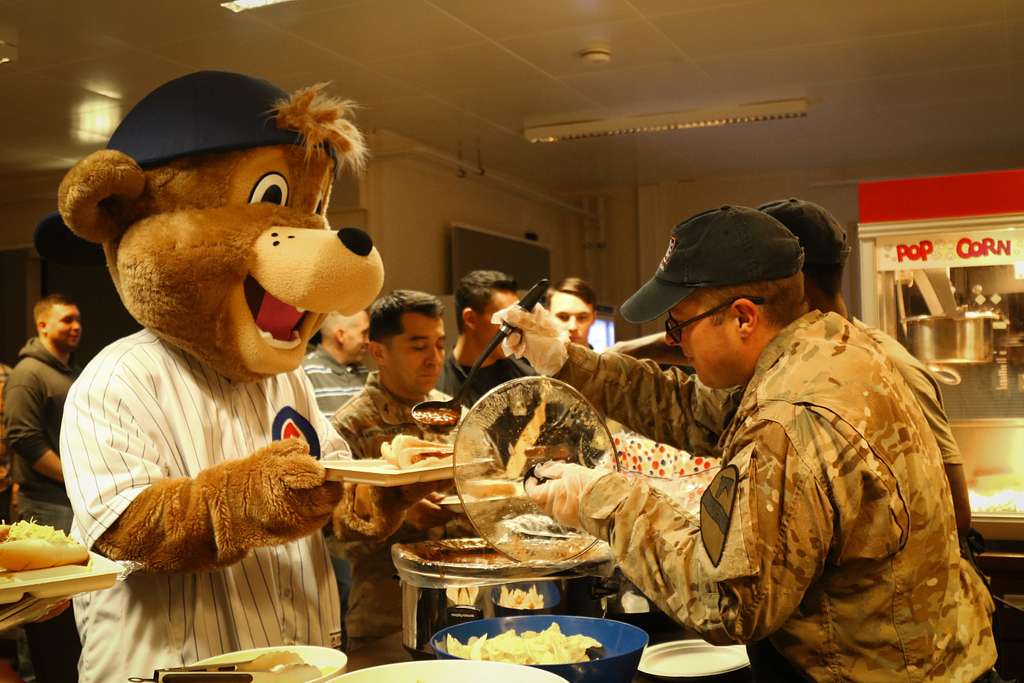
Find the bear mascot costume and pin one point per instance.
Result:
(192, 449)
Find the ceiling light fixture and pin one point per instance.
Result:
(596, 54)
(243, 5)
(655, 123)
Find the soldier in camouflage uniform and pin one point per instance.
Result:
(825, 252)
(829, 531)
(407, 343)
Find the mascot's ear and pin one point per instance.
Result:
(86, 193)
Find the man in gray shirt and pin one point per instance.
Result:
(335, 367)
(34, 407)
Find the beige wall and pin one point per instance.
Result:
(411, 197)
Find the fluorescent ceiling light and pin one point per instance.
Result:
(243, 5)
(654, 123)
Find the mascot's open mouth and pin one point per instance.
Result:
(277, 321)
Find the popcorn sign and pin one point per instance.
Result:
(952, 250)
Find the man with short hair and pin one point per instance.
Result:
(480, 294)
(828, 533)
(34, 398)
(825, 253)
(335, 367)
(407, 342)
(572, 301)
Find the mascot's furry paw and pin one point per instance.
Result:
(274, 496)
(283, 488)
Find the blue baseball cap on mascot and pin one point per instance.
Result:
(205, 111)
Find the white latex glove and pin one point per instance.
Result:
(539, 337)
(560, 496)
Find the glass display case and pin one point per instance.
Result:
(952, 291)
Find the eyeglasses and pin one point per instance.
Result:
(674, 328)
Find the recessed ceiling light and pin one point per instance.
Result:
(243, 5)
(681, 120)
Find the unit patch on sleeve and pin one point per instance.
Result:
(716, 511)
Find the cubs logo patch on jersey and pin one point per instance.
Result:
(716, 511)
(289, 424)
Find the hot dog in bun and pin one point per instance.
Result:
(27, 545)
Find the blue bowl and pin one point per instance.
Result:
(623, 644)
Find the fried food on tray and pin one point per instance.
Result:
(405, 451)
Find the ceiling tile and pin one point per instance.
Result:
(653, 8)
(933, 50)
(49, 107)
(501, 20)
(851, 20)
(885, 93)
(632, 43)
(350, 81)
(511, 104)
(647, 89)
(747, 27)
(866, 58)
(260, 51)
(381, 29)
(127, 75)
(46, 36)
(471, 66)
(1016, 41)
(149, 23)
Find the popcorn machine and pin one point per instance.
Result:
(952, 291)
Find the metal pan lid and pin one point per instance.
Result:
(513, 427)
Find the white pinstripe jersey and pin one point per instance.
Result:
(143, 411)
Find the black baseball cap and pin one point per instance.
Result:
(727, 246)
(201, 112)
(820, 234)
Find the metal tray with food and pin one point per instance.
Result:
(56, 582)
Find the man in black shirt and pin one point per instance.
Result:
(480, 294)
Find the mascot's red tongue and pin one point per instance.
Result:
(277, 317)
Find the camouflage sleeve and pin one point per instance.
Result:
(346, 422)
(670, 407)
(738, 573)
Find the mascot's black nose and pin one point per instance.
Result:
(356, 241)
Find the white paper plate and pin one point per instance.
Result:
(331, 662)
(692, 659)
(55, 582)
(381, 473)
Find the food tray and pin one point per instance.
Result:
(58, 582)
(384, 474)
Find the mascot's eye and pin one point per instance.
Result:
(272, 189)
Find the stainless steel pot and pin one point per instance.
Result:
(451, 581)
(941, 339)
